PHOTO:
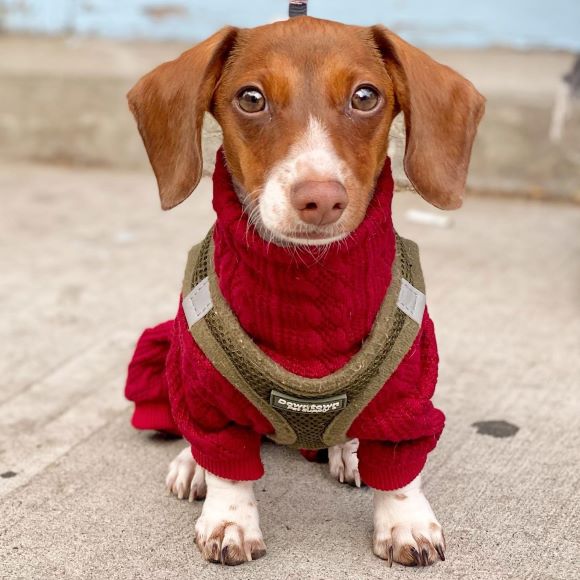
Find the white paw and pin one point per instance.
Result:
(185, 478)
(406, 530)
(228, 530)
(343, 462)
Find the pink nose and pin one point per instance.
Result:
(319, 203)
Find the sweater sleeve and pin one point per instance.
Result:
(222, 447)
(146, 385)
(223, 428)
(400, 426)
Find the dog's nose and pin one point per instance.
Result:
(319, 203)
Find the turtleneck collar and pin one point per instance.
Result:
(308, 308)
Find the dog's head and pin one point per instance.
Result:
(305, 106)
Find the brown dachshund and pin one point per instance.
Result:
(306, 106)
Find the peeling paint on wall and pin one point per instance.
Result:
(516, 23)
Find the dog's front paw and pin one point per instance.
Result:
(406, 530)
(410, 544)
(343, 462)
(228, 542)
(185, 478)
(228, 530)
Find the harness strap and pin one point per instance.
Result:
(293, 404)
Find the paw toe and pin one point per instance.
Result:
(185, 479)
(427, 552)
(383, 548)
(198, 487)
(407, 555)
(343, 461)
(255, 549)
(232, 555)
(232, 551)
(210, 550)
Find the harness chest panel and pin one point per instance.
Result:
(307, 413)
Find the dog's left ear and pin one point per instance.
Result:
(442, 111)
(169, 104)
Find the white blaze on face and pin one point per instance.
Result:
(312, 157)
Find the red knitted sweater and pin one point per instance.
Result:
(310, 310)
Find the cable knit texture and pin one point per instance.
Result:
(310, 310)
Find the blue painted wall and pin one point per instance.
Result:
(475, 23)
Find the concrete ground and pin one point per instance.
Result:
(89, 260)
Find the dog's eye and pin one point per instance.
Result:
(251, 100)
(365, 98)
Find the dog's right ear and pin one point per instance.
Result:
(169, 104)
(442, 111)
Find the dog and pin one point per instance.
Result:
(305, 107)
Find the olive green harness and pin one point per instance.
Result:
(305, 413)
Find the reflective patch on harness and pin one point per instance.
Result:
(198, 302)
(411, 301)
(280, 400)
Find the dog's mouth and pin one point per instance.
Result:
(317, 237)
(301, 234)
(300, 238)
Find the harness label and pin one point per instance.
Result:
(285, 402)
(411, 301)
(198, 302)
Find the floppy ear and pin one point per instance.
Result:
(169, 104)
(442, 110)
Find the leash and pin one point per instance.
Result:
(297, 8)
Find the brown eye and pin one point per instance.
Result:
(365, 98)
(251, 100)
